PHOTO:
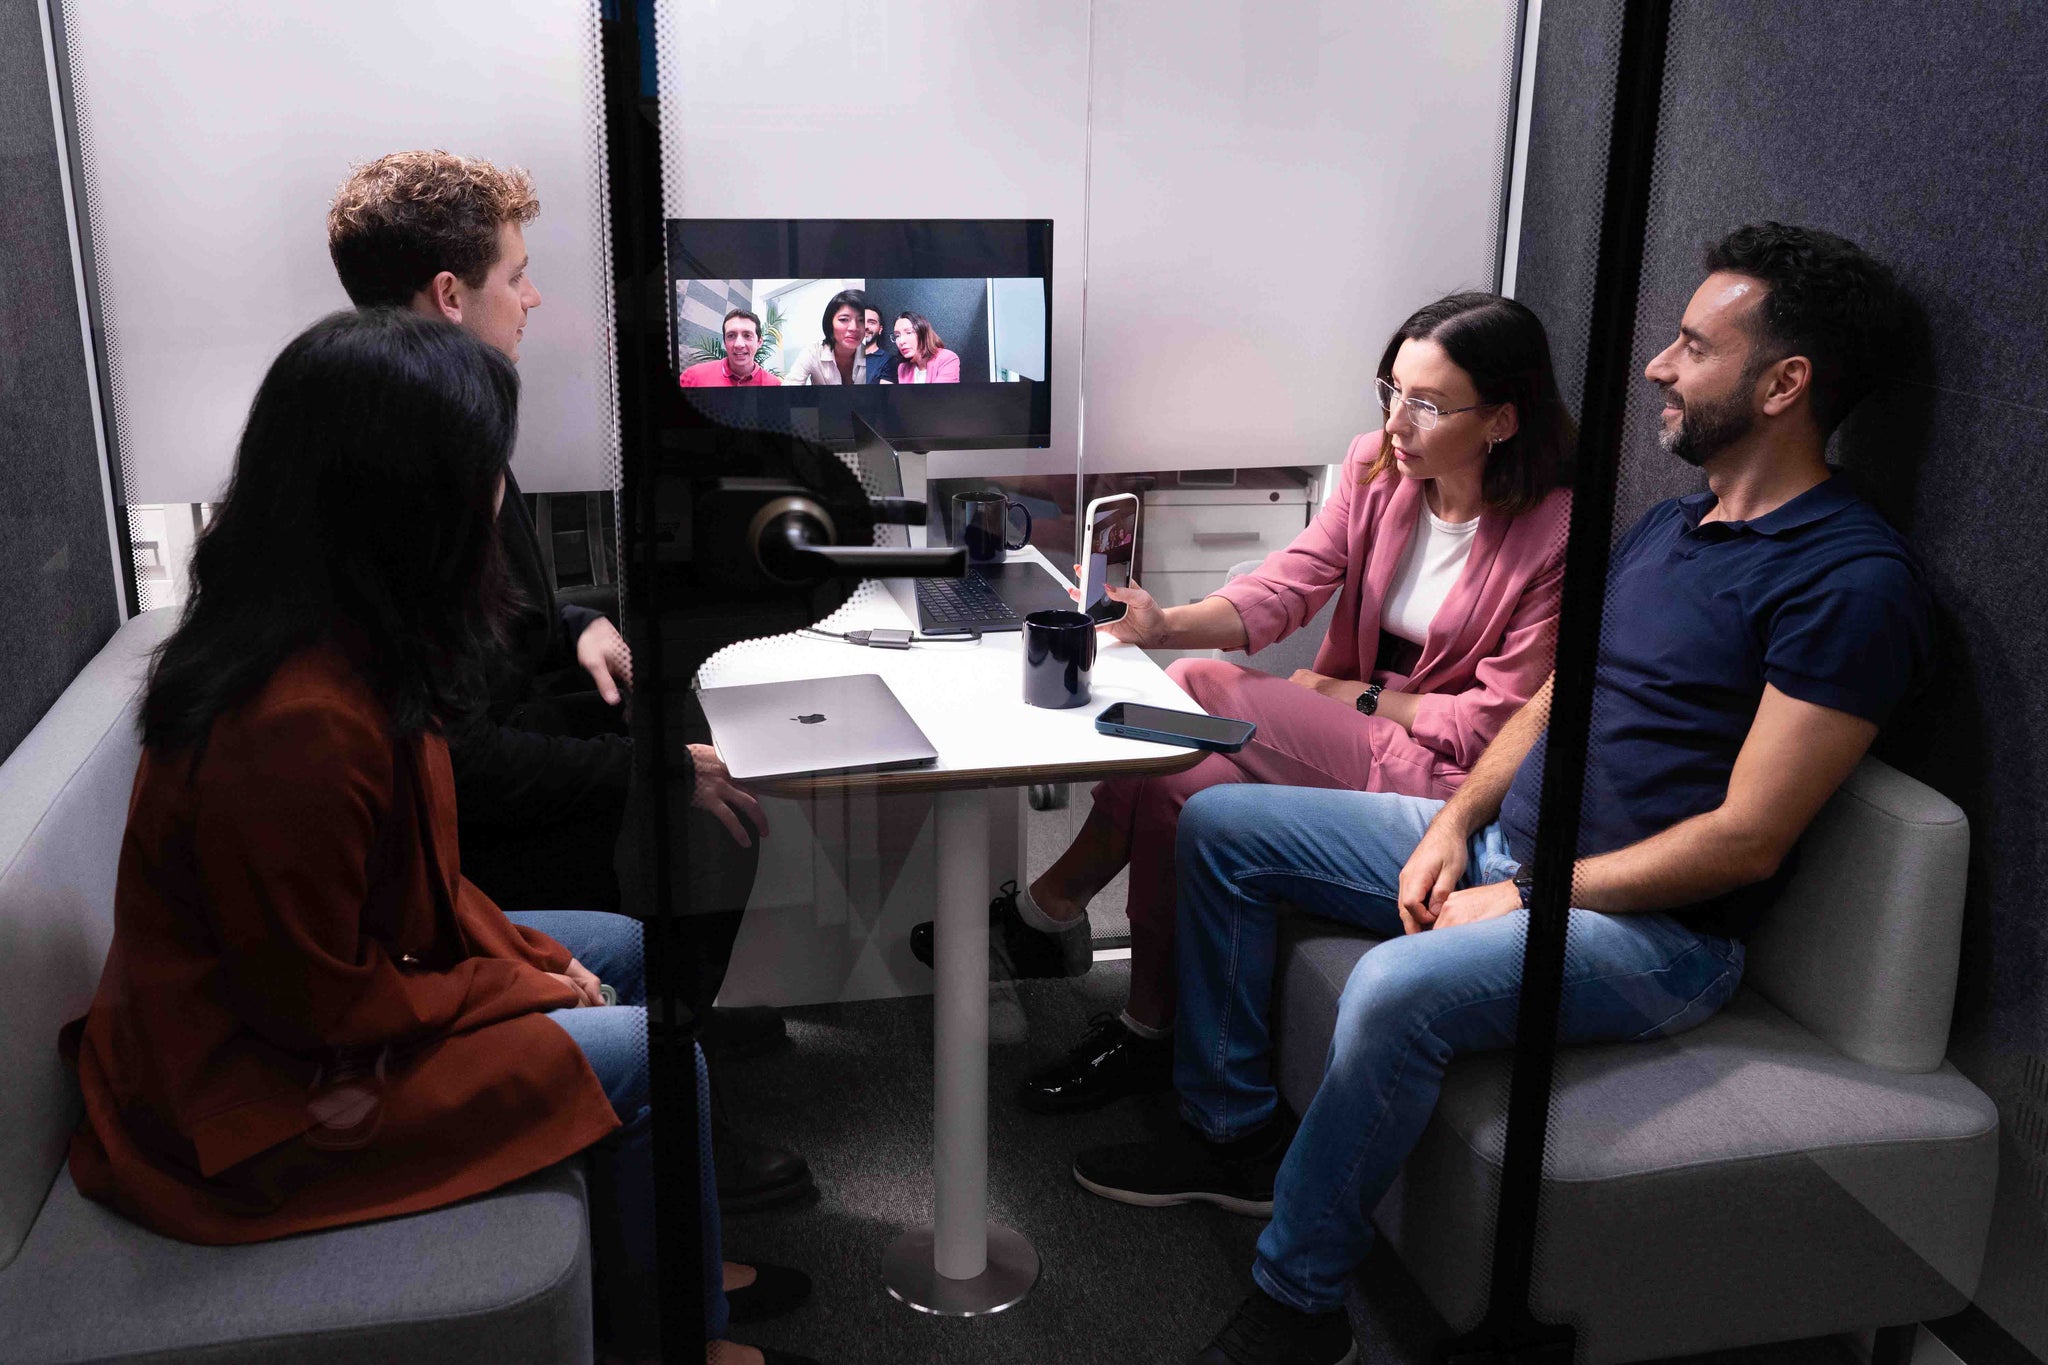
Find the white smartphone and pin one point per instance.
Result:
(1109, 553)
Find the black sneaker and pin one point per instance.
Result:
(1265, 1331)
(1187, 1168)
(1108, 1063)
(1016, 951)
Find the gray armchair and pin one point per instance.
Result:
(1296, 651)
(501, 1278)
(1804, 1163)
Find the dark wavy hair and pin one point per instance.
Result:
(846, 298)
(1502, 347)
(363, 504)
(1826, 299)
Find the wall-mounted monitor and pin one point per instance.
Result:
(938, 333)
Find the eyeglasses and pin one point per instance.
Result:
(1423, 412)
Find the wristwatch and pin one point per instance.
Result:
(1525, 884)
(1369, 700)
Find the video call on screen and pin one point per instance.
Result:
(956, 355)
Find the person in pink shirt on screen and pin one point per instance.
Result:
(1443, 544)
(925, 357)
(738, 369)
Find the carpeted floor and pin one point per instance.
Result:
(854, 1094)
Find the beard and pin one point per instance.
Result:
(1704, 430)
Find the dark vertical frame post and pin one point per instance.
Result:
(633, 175)
(88, 264)
(1516, 75)
(1510, 1332)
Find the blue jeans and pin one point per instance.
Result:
(614, 1040)
(1411, 1004)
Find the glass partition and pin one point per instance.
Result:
(953, 349)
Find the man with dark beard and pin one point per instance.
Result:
(1756, 637)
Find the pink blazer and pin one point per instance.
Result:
(944, 369)
(1492, 642)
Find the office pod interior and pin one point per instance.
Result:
(1129, 251)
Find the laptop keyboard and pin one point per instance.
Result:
(968, 601)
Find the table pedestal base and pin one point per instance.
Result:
(913, 1278)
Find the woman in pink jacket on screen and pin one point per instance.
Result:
(1444, 543)
(925, 357)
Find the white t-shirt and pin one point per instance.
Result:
(1436, 556)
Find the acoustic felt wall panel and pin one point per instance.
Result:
(59, 600)
(1915, 131)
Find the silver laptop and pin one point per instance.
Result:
(817, 725)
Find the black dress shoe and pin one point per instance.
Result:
(776, 1290)
(1108, 1063)
(1265, 1331)
(1016, 951)
(755, 1175)
(743, 1031)
(1187, 1168)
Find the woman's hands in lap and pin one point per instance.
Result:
(581, 980)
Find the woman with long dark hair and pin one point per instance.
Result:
(1445, 539)
(308, 1017)
(840, 358)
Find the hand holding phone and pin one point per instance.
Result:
(1143, 622)
(1109, 550)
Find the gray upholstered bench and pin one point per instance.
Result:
(504, 1278)
(1804, 1163)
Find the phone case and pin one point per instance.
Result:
(1115, 611)
(1168, 737)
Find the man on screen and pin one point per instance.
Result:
(881, 365)
(738, 369)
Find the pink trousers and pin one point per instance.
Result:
(1304, 739)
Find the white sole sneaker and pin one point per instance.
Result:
(1230, 1203)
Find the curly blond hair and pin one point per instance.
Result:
(402, 219)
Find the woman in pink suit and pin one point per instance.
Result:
(925, 357)
(1444, 543)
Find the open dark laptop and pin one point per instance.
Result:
(992, 597)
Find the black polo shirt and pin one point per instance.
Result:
(1820, 598)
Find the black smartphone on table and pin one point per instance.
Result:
(1132, 720)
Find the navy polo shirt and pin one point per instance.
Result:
(1820, 598)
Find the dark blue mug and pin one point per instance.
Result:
(983, 522)
(1059, 656)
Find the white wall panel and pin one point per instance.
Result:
(1275, 187)
(1268, 189)
(215, 134)
(880, 109)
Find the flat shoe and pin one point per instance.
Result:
(1108, 1063)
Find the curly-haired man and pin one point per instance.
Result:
(541, 777)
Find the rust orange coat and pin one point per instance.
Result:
(296, 891)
